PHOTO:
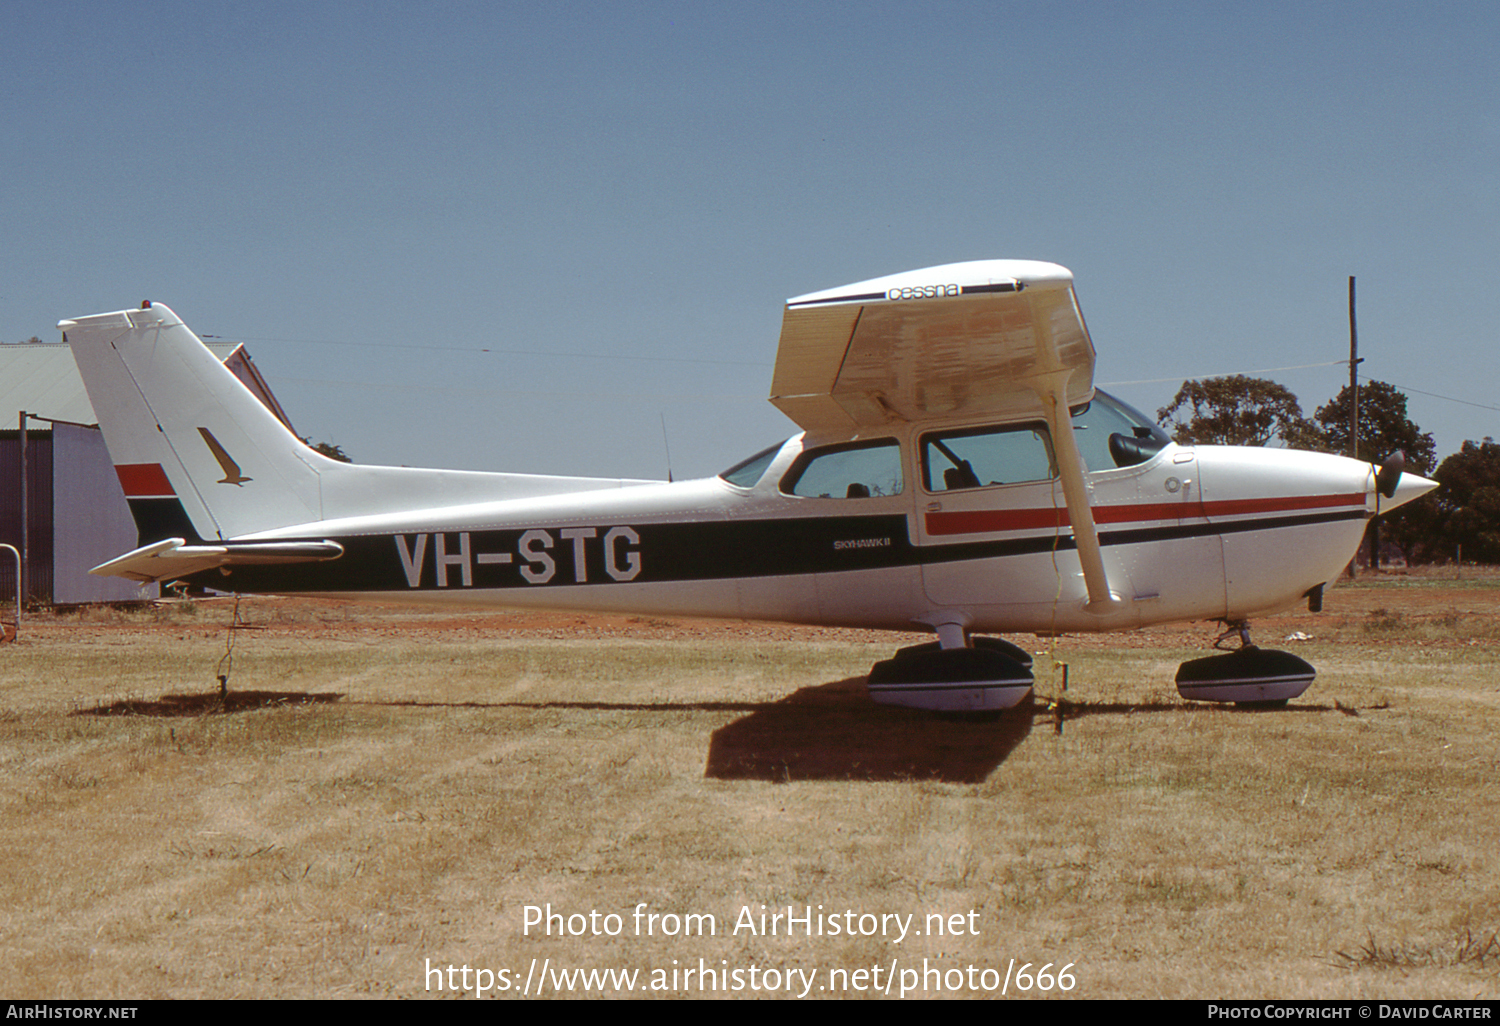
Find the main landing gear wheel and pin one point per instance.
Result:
(991, 675)
(1255, 678)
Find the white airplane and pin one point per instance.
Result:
(957, 473)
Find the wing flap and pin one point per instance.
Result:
(808, 360)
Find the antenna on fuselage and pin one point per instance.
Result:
(665, 445)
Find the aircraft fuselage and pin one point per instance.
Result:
(1194, 533)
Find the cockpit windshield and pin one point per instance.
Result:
(746, 473)
(1112, 434)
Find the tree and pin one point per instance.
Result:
(333, 452)
(1384, 427)
(1468, 502)
(1235, 410)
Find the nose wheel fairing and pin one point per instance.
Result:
(1245, 676)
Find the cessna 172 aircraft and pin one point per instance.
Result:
(957, 473)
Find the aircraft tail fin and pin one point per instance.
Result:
(198, 454)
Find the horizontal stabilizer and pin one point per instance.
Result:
(173, 557)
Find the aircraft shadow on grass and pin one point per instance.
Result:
(833, 732)
(829, 732)
(822, 732)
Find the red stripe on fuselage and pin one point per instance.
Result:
(984, 521)
(1237, 507)
(144, 481)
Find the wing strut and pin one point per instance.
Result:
(1052, 388)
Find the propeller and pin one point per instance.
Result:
(1389, 475)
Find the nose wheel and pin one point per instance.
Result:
(1246, 675)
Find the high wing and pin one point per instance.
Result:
(997, 339)
(969, 340)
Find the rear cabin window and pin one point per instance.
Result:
(981, 457)
(865, 470)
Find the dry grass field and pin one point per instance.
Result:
(388, 792)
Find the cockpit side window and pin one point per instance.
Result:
(863, 470)
(980, 457)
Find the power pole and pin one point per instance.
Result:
(26, 548)
(25, 521)
(1354, 362)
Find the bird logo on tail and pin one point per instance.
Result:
(231, 469)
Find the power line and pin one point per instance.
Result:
(498, 352)
(756, 363)
(405, 386)
(1302, 366)
(1434, 395)
(1195, 377)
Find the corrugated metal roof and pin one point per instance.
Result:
(41, 378)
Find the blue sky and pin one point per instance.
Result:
(529, 236)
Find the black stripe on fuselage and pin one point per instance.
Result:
(603, 554)
(650, 553)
